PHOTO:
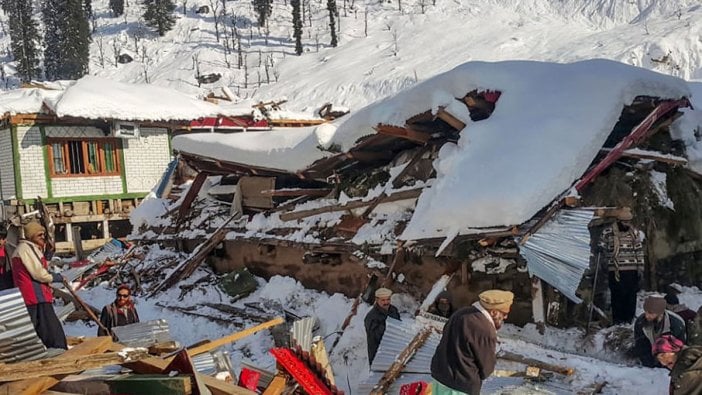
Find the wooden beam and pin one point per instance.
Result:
(510, 356)
(405, 133)
(89, 346)
(397, 181)
(58, 365)
(276, 387)
(219, 387)
(191, 195)
(402, 195)
(652, 155)
(297, 192)
(234, 337)
(400, 362)
(447, 117)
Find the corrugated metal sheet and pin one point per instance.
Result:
(397, 337)
(111, 249)
(63, 312)
(302, 332)
(74, 273)
(374, 378)
(213, 362)
(143, 334)
(559, 252)
(18, 339)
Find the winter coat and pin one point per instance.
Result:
(113, 316)
(434, 308)
(694, 330)
(6, 281)
(645, 334)
(375, 327)
(680, 309)
(466, 352)
(30, 275)
(686, 375)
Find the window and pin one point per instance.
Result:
(85, 157)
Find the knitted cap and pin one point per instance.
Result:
(383, 293)
(654, 304)
(496, 299)
(32, 228)
(666, 343)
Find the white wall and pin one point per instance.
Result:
(31, 161)
(7, 166)
(146, 159)
(86, 186)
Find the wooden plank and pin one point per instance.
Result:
(510, 356)
(447, 117)
(142, 384)
(402, 195)
(219, 387)
(251, 191)
(652, 155)
(397, 181)
(297, 192)
(91, 345)
(405, 133)
(34, 386)
(191, 195)
(276, 387)
(58, 365)
(234, 337)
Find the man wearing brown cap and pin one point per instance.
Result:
(653, 323)
(375, 320)
(30, 275)
(466, 353)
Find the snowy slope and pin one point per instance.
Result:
(401, 47)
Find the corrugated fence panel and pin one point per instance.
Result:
(143, 334)
(302, 332)
(18, 339)
(559, 252)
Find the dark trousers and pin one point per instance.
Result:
(623, 294)
(47, 325)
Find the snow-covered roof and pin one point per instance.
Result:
(288, 149)
(549, 124)
(99, 98)
(94, 97)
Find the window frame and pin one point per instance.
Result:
(84, 143)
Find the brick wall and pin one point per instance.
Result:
(73, 131)
(7, 166)
(31, 161)
(146, 159)
(86, 186)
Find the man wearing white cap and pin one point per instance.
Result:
(466, 353)
(375, 320)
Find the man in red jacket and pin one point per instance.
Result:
(30, 274)
(465, 355)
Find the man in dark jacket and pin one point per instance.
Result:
(442, 306)
(654, 322)
(466, 352)
(685, 364)
(120, 312)
(673, 304)
(30, 275)
(5, 263)
(375, 320)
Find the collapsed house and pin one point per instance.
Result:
(492, 175)
(90, 150)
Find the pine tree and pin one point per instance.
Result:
(24, 38)
(88, 8)
(263, 9)
(66, 39)
(331, 6)
(159, 15)
(117, 7)
(297, 25)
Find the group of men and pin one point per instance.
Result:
(28, 270)
(665, 338)
(466, 352)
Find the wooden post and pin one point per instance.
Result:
(405, 356)
(77, 243)
(537, 303)
(510, 356)
(105, 229)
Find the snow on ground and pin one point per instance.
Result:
(349, 359)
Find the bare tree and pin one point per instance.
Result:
(422, 5)
(246, 73)
(395, 47)
(115, 51)
(145, 63)
(184, 4)
(365, 22)
(196, 66)
(214, 6)
(100, 42)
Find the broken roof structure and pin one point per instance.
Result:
(484, 151)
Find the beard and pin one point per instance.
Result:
(122, 302)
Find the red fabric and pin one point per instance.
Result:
(249, 379)
(667, 343)
(417, 388)
(2, 260)
(492, 96)
(32, 291)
